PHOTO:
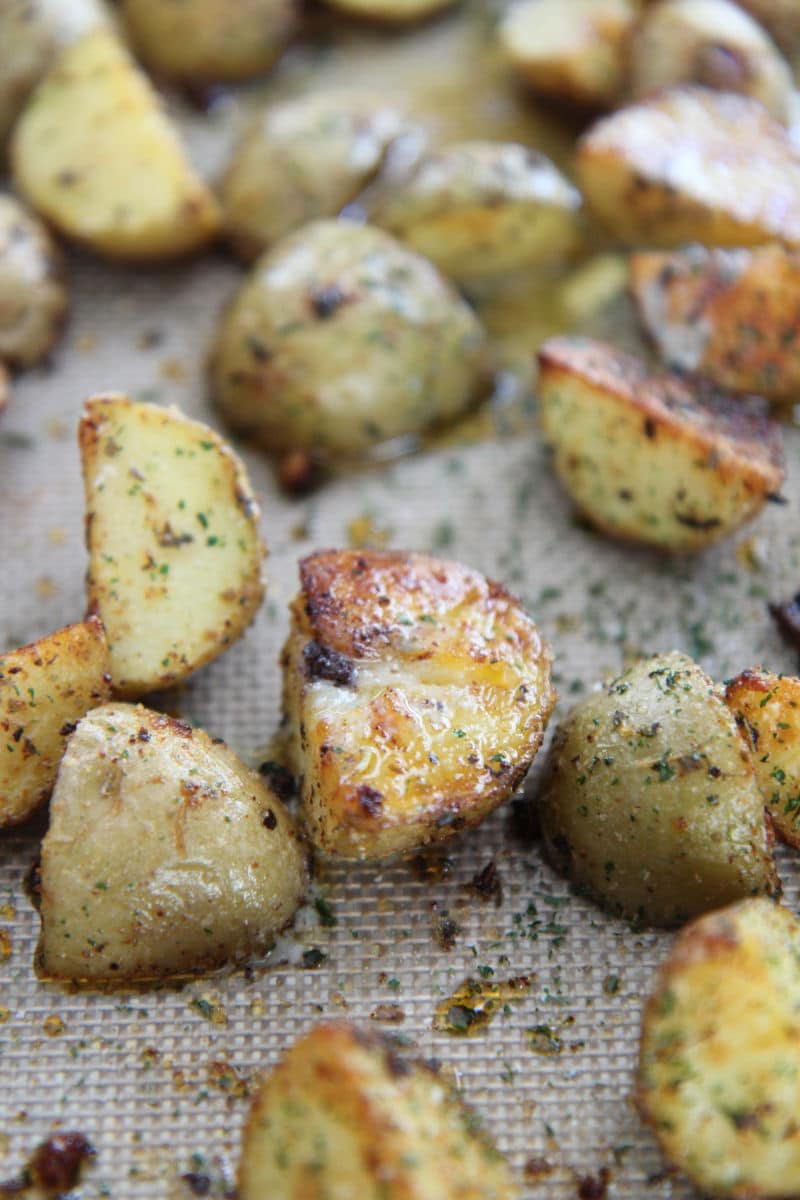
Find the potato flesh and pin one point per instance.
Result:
(33, 299)
(719, 1073)
(390, 11)
(652, 805)
(165, 855)
(175, 555)
(44, 689)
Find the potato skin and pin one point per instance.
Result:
(344, 1115)
(681, 167)
(390, 12)
(45, 688)
(651, 806)
(33, 298)
(137, 880)
(658, 459)
(343, 338)
(719, 1069)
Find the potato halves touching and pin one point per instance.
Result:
(668, 461)
(692, 165)
(45, 688)
(33, 298)
(344, 1115)
(417, 693)
(175, 556)
(343, 338)
(165, 854)
(652, 806)
(719, 1066)
(95, 154)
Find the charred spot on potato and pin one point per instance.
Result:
(321, 662)
(56, 1164)
(326, 300)
(370, 801)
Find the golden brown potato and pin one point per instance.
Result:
(390, 12)
(732, 315)
(417, 693)
(780, 17)
(33, 298)
(343, 1115)
(575, 51)
(343, 338)
(482, 209)
(692, 165)
(659, 459)
(175, 556)
(719, 1069)
(652, 806)
(95, 155)
(44, 689)
(210, 40)
(165, 854)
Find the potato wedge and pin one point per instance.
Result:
(658, 459)
(390, 12)
(33, 298)
(483, 209)
(719, 1068)
(416, 692)
(343, 338)
(45, 688)
(165, 854)
(575, 52)
(651, 806)
(692, 165)
(344, 1115)
(175, 557)
(96, 156)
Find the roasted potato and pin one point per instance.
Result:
(652, 806)
(175, 556)
(33, 298)
(344, 1116)
(481, 209)
(416, 693)
(780, 17)
(95, 155)
(304, 159)
(692, 165)
(719, 1068)
(44, 689)
(659, 459)
(207, 41)
(575, 51)
(165, 854)
(343, 338)
(4, 387)
(390, 12)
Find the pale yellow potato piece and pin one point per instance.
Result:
(652, 807)
(33, 297)
(343, 1115)
(417, 693)
(576, 51)
(483, 209)
(654, 458)
(45, 688)
(210, 40)
(692, 165)
(390, 12)
(95, 154)
(343, 338)
(165, 854)
(711, 42)
(719, 1068)
(175, 556)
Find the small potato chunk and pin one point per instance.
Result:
(302, 160)
(732, 315)
(207, 41)
(33, 299)
(165, 854)
(659, 459)
(711, 42)
(343, 1115)
(390, 12)
(481, 209)
(416, 692)
(96, 156)
(175, 556)
(719, 1067)
(343, 338)
(692, 165)
(44, 689)
(575, 51)
(652, 806)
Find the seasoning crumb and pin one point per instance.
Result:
(391, 1014)
(46, 586)
(5, 944)
(53, 1026)
(5, 1014)
(594, 1187)
(445, 931)
(210, 1009)
(174, 369)
(363, 533)
(488, 884)
(536, 1169)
